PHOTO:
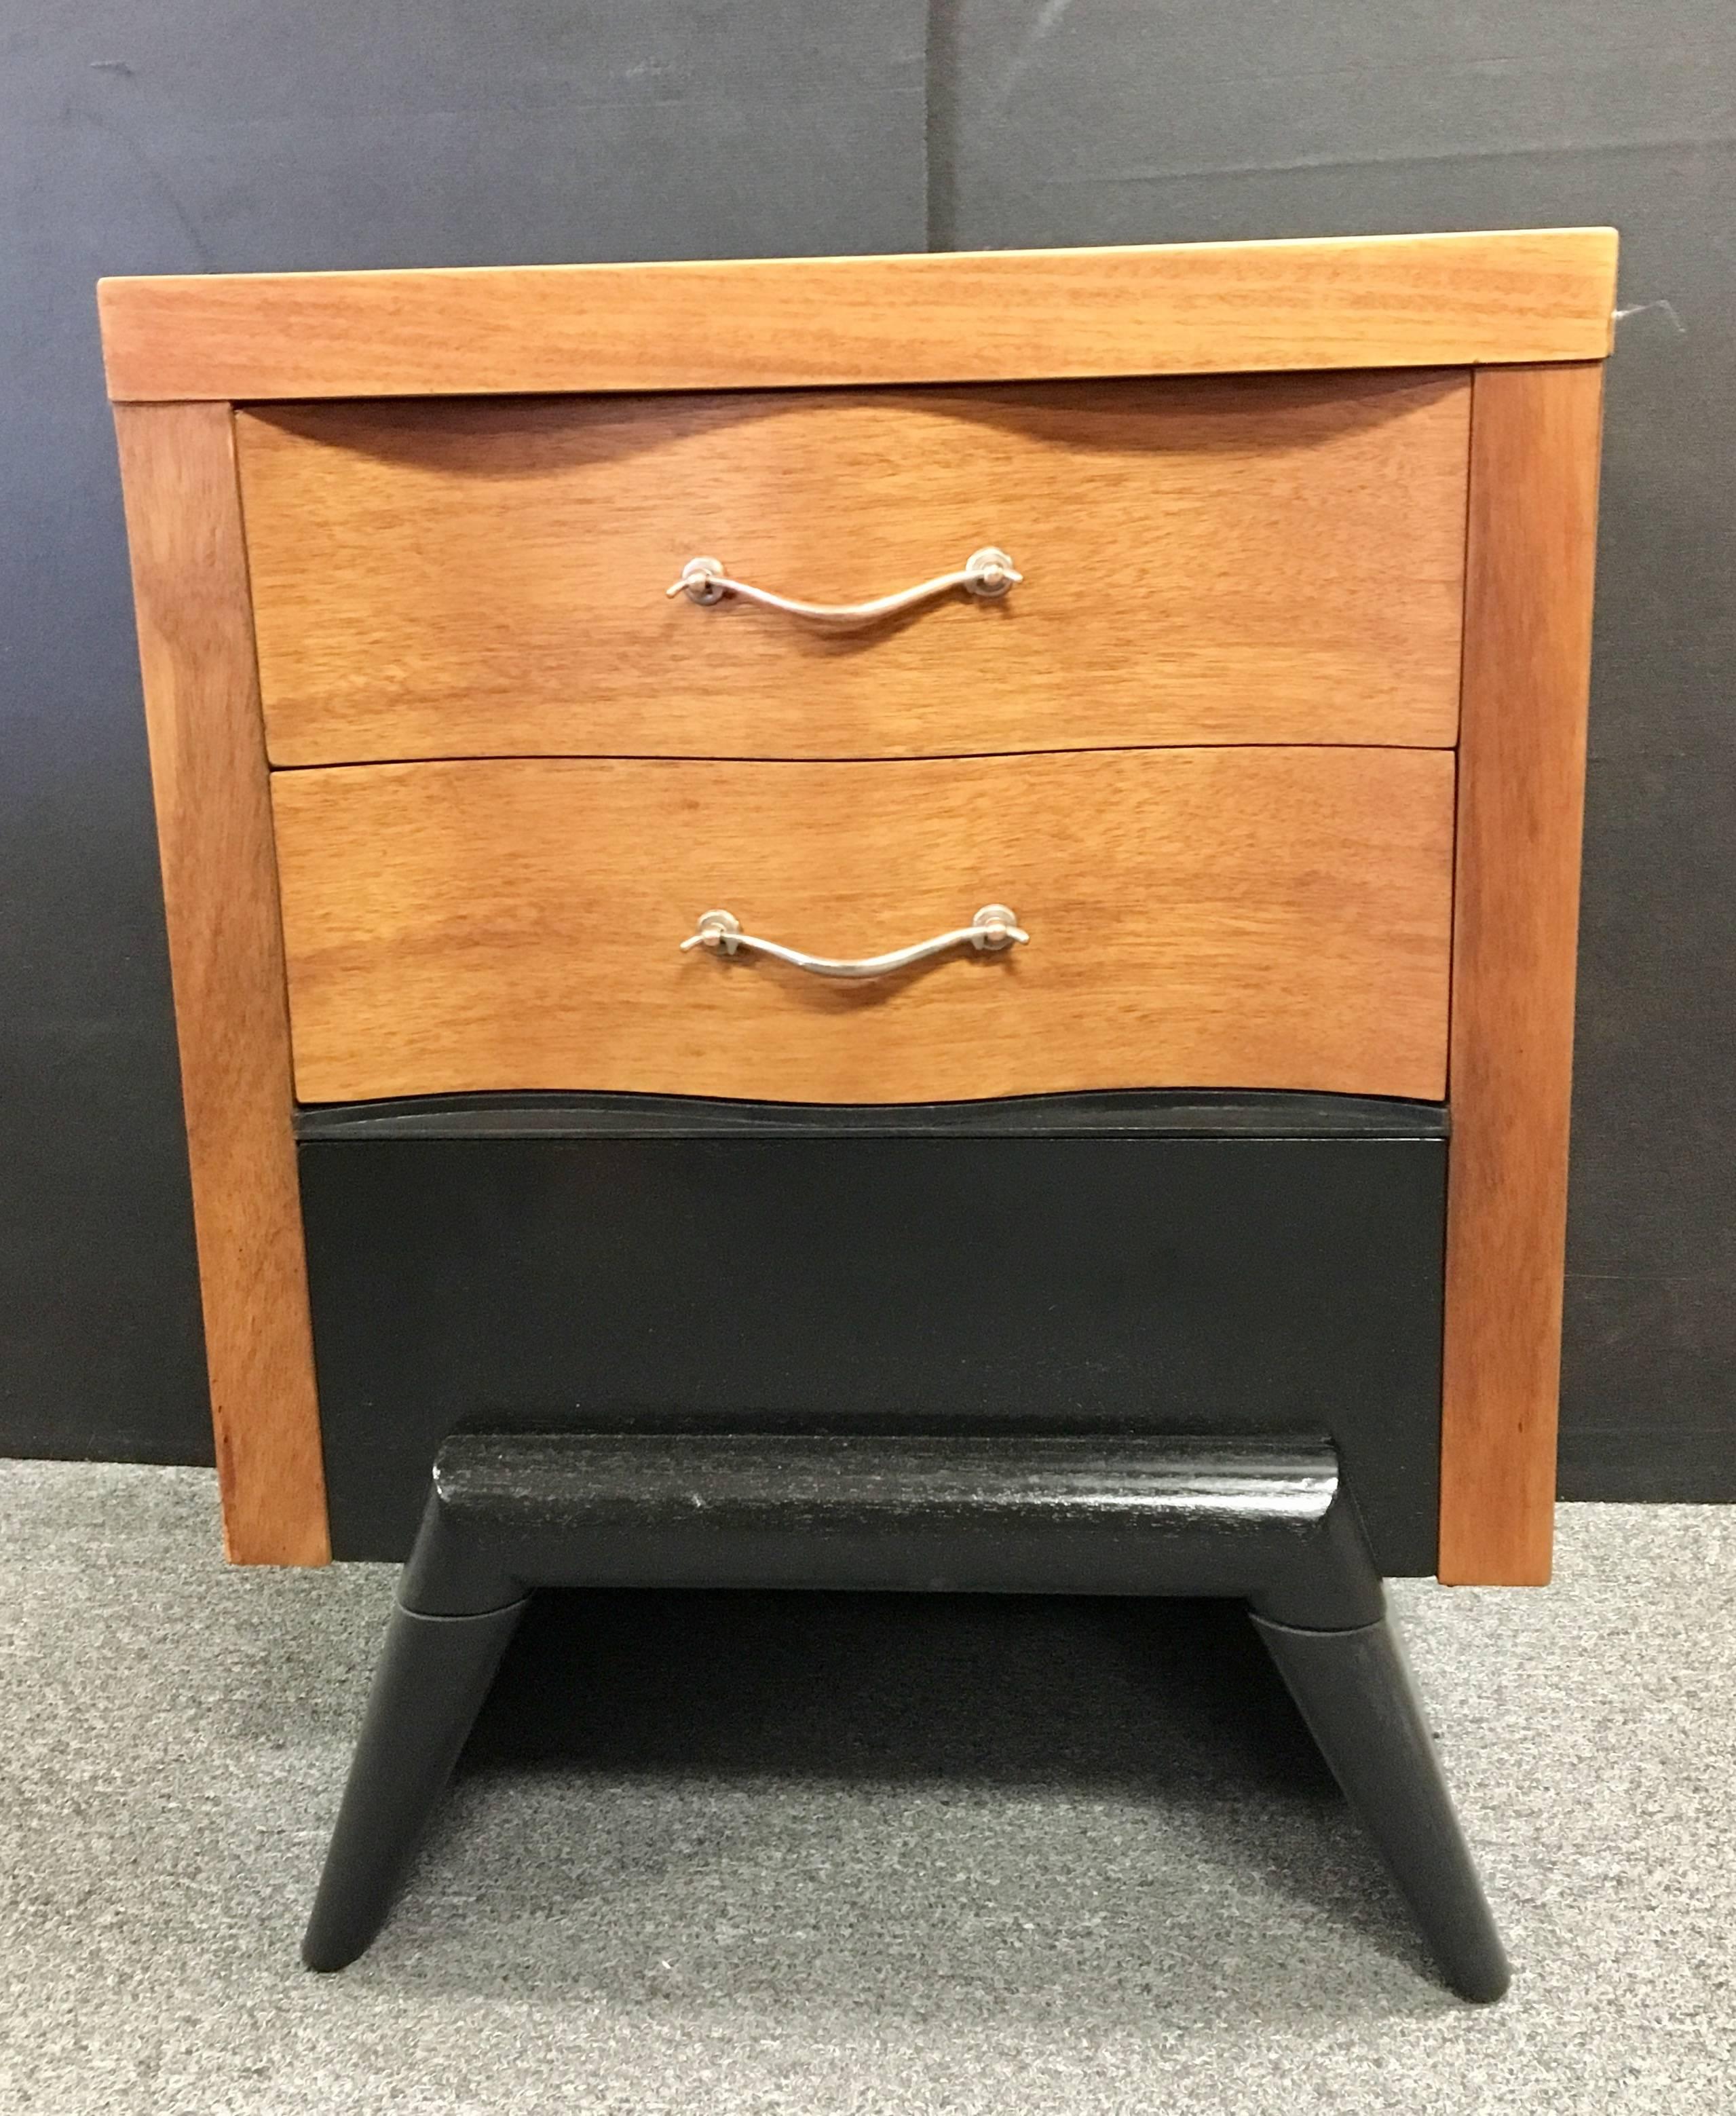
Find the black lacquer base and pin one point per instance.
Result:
(1141, 1264)
(1265, 1520)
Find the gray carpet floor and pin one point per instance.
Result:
(828, 1853)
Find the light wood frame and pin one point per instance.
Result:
(1532, 543)
(1529, 311)
(226, 960)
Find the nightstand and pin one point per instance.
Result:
(969, 857)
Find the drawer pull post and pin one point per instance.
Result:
(988, 574)
(993, 931)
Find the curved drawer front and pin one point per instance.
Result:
(1272, 558)
(1271, 918)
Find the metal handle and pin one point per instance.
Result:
(986, 574)
(992, 930)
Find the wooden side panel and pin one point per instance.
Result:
(1407, 300)
(1521, 768)
(1198, 917)
(214, 823)
(1277, 560)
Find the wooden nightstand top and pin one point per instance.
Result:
(1394, 300)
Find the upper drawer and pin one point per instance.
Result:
(1274, 559)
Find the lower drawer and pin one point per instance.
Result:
(1265, 1264)
(1254, 918)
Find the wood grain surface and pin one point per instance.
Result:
(220, 885)
(1407, 300)
(1276, 559)
(1203, 917)
(1527, 650)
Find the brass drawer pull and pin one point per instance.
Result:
(986, 574)
(992, 930)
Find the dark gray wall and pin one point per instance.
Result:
(196, 135)
(193, 136)
(1120, 121)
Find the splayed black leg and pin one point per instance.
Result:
(1355, 1690)
(1267, 1521)
(433, 1675)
